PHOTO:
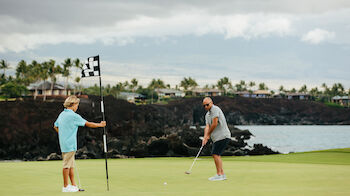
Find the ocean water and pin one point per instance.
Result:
(291, 138)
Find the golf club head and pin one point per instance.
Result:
(81, 190)
(187, 172)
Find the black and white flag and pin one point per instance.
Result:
(91, 67)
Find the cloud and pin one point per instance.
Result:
(317, 36)
(25, 25)
(124, 32)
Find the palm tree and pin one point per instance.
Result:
(126, 85)
(188, 84)
(4, 65)
(66, 73)
(326, 91)
(314, 92)
(238, 87)
(241, 86)
(79, 66)
(34, 70)
(77, 87)
(224, 84)
(262, 86)
(133, 84)
(52, 71)
(337, 89)
(185, 84)
(44, 68)
(244, 85)
(303, 89)
(341, 89)
(192, 83)
(251, 85)
(117, 89)
(156, 84)
(22, 73)
(107, 90)
(281, 89)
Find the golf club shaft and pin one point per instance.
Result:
(76, 170)
(196, 158)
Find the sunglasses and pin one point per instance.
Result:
(206, 105)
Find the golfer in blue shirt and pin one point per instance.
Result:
(66, 126)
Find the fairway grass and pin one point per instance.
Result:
(313, 173)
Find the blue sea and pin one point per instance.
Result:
(295, 138)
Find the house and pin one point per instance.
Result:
(131, 97)
(207, 92)
(246, 94)
(44, 88)
(261, 94)
(341, 100)
(167, 93)
(298, 96)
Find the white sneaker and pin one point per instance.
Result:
(65, 189)
(74, 188)
(70, 188)
(224, 176)
(216, 178)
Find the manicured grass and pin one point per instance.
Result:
(313, 173)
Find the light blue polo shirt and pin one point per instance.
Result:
(68, 122)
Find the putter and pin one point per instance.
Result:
(76, 171)
(189, 171)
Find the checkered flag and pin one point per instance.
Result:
(91, 67)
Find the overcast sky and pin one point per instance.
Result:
(277, 42)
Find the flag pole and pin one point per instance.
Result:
(104, 129)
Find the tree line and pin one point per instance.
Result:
(28, 73)
(33, 72)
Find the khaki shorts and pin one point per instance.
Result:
(68, 159)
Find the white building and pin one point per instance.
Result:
(131, 97)
(261, 94)
(342, 100)
(207, 92)
(42, 88)
(167, 93)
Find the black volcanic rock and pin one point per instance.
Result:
(148, 130)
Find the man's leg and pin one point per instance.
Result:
(218, 164)
(65, 176)
(71, 176)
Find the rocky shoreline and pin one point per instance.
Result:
(149, 130)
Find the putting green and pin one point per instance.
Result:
(314, 173)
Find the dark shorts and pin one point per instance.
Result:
(219, 146)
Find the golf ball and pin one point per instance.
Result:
(165, 183)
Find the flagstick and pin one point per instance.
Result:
(104, 132)
(90, 70)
